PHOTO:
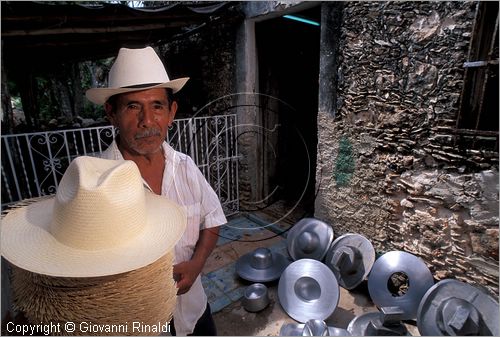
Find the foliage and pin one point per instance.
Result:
(56, 90)
(46, 101)
(15, 101)
(93, 74)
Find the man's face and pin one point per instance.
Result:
(143, 118)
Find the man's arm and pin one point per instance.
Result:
(187, 272)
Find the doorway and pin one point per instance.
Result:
(288, 61)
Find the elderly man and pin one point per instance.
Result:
(139, 103)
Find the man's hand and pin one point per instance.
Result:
(185, 273)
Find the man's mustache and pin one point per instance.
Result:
(147, 133)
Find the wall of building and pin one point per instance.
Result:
(253, 141)
(388, 166)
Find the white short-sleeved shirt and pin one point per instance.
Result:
(184, 183)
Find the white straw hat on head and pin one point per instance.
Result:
(135, 70)
(102, 221)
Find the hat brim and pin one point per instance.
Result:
(313, 274)
(101, 95)
(28, 244)
(245, 270)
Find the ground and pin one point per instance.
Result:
(224, 288)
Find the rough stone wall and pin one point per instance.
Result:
(388, 165)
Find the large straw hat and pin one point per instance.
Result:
(134, 70)
(138, 302)
(102, 221)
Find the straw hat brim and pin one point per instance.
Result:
(28, 244)
(101, 95)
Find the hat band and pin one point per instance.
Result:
(145, 85)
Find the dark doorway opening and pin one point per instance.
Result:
(288, 61)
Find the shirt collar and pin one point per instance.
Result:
(171, 161)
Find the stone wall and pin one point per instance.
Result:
(389, 166)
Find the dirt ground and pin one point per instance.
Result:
(236, 321)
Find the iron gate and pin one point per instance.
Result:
(34, 163)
